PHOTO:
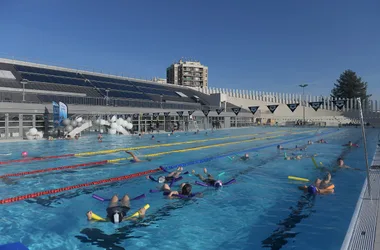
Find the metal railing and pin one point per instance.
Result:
(95, 101)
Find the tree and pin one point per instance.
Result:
(349, 85)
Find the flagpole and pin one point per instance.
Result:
(365, 146)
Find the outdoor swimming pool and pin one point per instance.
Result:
(262, 210)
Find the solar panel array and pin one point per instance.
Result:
(97, 86)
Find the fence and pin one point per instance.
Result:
(285, 98)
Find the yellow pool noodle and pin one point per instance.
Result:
(314, 162)
(147, 206)
(97, 217)
(297, 178)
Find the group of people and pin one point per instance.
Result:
(117, 210)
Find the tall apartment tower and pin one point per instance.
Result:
(187, 73)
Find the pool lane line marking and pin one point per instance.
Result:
(110, 151)
(247, 150)
(139, 174)
(167, 144)
(104, 162)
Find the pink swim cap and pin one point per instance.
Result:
(24, 154)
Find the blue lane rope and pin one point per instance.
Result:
(244, 151)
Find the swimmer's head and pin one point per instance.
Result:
(340, 161)
(161, 179)
(152, 137)
(218, 184)
(311, 189)
(278, 146)
(186, 189)
(246, 155)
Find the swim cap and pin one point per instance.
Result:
(117, 218)
(161, 179)
(311, 189)
(218, 184)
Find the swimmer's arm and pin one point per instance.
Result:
(173, 193)
(135, 158)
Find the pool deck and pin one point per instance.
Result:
(364, 230)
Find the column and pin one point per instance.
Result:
(34, 120)
(6, 126)
(20, 126)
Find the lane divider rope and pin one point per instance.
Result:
(109, 161)
(130, 176)
(110, 151)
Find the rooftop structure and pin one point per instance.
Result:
(188, 73)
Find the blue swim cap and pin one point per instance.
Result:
(311, 189)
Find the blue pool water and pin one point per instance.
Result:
(263, 210)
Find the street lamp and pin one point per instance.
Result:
(303, 86)
(23, 82)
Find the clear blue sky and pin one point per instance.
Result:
(259, 45)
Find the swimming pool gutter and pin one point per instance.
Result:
(363, 230)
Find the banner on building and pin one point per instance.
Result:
(166, 114)
(236, 110)
(272, 108)
(219, 111)
(55, 114)
(293, 106)
(62, 112)
(205, 112)
(253, 109)
(315, 105)
(340, 104)
(190, 112)
(180, 113)
(155, 116)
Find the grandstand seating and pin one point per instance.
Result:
(120, 91)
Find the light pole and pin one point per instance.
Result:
(303, 86)
(23, 82)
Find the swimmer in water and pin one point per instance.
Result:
(209, 180)
(309, 142)
(296, 157)
(100, 137)
(152, 138)
(245, 157)
(116, 212)
(184, 189)
(170, 177)
(320, 186)
(341, 163)
(321, 141)
(135, 158)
